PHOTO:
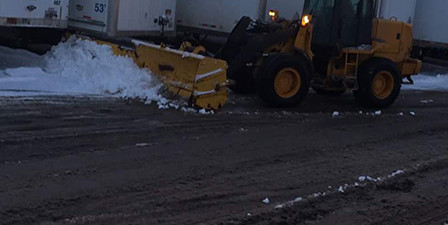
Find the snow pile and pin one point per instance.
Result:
(83, 67)
(98, 70)
(429, 83)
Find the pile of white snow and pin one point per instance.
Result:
(78, 67)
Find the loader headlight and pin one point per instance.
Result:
(306, 19)
(273, 14)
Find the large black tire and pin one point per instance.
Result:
(379, 83)
(295, 72)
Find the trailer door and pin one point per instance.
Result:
(89, 14)
(143, 15)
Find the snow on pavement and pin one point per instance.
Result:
(11, 58)
(424, 82)
(30, 81)
(365, 180)
(78, 67)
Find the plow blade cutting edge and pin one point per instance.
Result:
(199, 79)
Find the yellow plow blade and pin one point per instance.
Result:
(201, 80)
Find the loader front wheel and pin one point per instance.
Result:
(379, 84)
(282, 80)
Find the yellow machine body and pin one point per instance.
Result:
(203, 80)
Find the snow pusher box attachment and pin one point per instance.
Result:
(199, 79)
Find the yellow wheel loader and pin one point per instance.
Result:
(337, 46)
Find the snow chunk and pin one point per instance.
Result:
(242, 130)
(143, 144)
(378, 113)
(412, 113)
(266, 201)
(367, 178)
(298, 199)
(319, 194)
(396, 173)
(341, 189)
(335, 114)
(279, 206)
(425, 101)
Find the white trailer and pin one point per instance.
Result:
(220, 16)
(431, 27)
(401, 10)
(32, 24)
(34, 13)
(429, 23)
(123, 17)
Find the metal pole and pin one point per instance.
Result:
(262, 9)
(378, 8)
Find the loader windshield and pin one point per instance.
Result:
(344, 22)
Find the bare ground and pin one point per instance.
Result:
(91, 160)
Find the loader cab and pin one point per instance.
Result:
(341, 23)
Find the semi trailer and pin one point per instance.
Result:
(32, 13)
(123, 18)
(430, 30)
(30, 22)
(401, 10)
(219, 17)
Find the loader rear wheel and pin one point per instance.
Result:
(282, 80)
(379, 84)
